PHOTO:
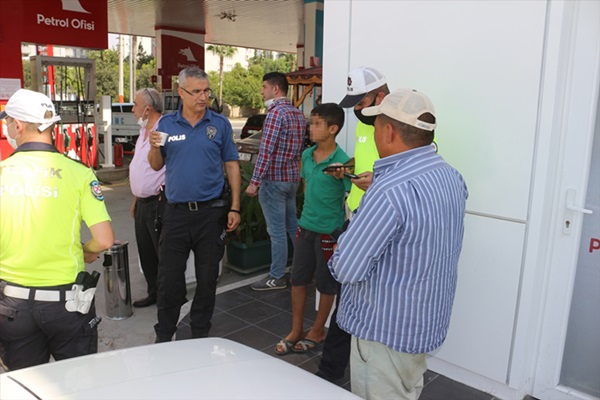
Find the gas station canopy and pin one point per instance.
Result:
(263, 24)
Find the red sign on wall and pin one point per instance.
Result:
(178, 53)
(79, 23)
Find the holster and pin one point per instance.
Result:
(82, 300)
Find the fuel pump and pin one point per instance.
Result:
(73, 95)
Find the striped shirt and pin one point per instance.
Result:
(397, 262)
(281, 145)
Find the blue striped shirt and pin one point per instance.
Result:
(397, 261)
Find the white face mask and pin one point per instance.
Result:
(12, 141)
(141, 121)
(269, 102)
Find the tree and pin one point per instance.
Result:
(26, 75)
(223, 52)
(142, 57)
(242, 86)
(268, 64)
(289, 59)
(107, 72)
(145, 73)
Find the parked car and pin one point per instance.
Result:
(248, 148)
(253, 124)
(211, 368)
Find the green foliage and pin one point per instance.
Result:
(223, 52)
(282, 63)
(213, 80)
(241, 87)
(107, 72)
(253, 226)
(26, 75)
(144, 75)
(143, 58)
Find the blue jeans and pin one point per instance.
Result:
(278, 202)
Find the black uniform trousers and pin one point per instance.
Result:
(148, 216)
(31, 331)
(201, 228)
(336, 349)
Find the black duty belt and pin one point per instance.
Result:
(195, 205)
(149, 199)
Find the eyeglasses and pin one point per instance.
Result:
(151, 98)
(197, 92)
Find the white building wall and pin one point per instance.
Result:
(483, 64)
(211, 61)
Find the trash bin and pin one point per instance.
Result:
(117, 284)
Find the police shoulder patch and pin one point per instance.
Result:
(96, 190)
(211, 131)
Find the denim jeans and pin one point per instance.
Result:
(278, 202)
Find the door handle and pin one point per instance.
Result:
(579, 209)
(570, 211)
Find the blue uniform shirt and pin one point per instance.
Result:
(194, 156)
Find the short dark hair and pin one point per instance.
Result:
(277, 79)
(412, 136)
(331, 113)
(381, 89)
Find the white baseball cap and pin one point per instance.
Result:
(29, 106)
(405, 105)
(360, 82)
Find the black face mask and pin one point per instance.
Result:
(363, 118)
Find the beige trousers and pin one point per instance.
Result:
(380, 373)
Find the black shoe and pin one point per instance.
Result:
(327, 377)
(145, 302)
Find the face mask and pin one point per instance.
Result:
(11, 141)
(269, 102)
(363, 118)
(143, 122)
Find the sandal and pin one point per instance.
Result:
(306, 345)
(286, 345)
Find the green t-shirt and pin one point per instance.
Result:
(44, 196)
(365, 155)
(323, 209)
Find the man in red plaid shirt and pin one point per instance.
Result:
(277, 173)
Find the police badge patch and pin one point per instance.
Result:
(96, 190)
(211, 131)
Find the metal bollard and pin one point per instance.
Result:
(117, 284)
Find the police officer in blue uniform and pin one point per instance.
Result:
(199, 210)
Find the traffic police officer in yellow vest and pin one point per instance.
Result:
(46, 300)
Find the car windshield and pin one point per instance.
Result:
(256, 120)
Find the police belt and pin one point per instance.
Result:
(38, 295)
(195, 205)
(149, 199)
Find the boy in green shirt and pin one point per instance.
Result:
(322, 213)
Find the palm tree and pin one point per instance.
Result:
(290, 59)
(223, 52)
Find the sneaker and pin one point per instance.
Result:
(269, 283)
